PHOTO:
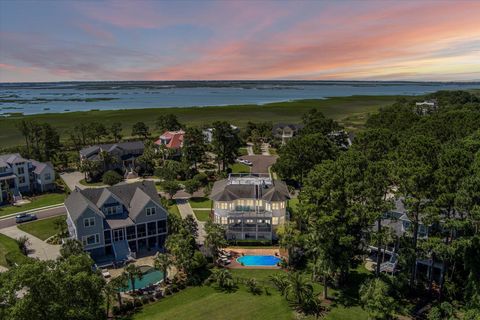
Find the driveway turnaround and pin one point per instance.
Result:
(72, 179)
(37, 248)
(260, 164)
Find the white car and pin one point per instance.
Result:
(244, 161)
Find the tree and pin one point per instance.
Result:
(116, 131)
(162, 262)
(107, 160)
(25, 128)
(191, 225)
(71, 247)
(171, 187)
(53, 290)
(182, 247)
(223, 278)
(375, 299)
(315, 122)
(90, 169)
(192, 185)
(301, 154)
(23, 244)
(97, 131)
(215, 238)
(194, 147)
(147, 159)
(118, 284)
(168, 122)
(111, 177)
(140, 129)
(133, 272)
(288, 235)
(225, 143)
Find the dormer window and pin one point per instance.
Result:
(89, 222)
(110, 210)
(150, 211)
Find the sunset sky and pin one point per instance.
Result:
(182, 40)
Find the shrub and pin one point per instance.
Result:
(116, 310)
(375, 299)
(192, 185)
(145, 299)
(202, 178)
(111, 177)
(252, 287)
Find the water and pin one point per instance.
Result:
(259, 261)
(150, 277)
(35, 98)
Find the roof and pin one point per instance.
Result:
(174, 139)
(223, 190)
(133, 196)
(292, 126)
(40, 166)
(12, 158)
(124, 146)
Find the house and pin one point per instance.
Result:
(426, 107)
(172, 140)
(208, 133)
(118, 222)
(124, 153)
(19, 175)
(250, 206)
(285, 132)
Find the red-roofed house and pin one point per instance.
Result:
(171, 139)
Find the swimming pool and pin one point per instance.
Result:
(150, 277)
(258, 261)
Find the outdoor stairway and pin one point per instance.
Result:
(121, 250)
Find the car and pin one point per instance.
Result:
(24, 217)
(240, 160)
(247, 162)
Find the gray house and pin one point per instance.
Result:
(124, 153)
(19, 175)
(118, 222)
(250, 206)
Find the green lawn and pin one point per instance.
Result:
(36, 202)
(199, 303)
(337, 108)
(92, 184)
(200, 202)
(202, 215)
(9, 247)
(239, 168)
(173, 209)
(43, 229)
(242, 151)
(293, 204)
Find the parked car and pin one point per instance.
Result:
(247, 162)
(24, 217)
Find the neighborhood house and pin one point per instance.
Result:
(123, 153)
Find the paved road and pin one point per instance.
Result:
(260, 164)
(47, 213)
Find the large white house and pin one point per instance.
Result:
(250, 206)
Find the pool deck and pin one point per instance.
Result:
(238, 252)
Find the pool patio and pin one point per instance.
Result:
(238, 252)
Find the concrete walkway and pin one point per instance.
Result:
(72, 179)
(265, 149)
(37, 248)
(250, 150)
(185, 209)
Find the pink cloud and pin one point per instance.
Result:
(97, 32)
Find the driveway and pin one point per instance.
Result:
(72, 179)
(185, 209)
(37, 248)
(260, 164)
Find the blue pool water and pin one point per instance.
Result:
(150, 276)
(259, 261)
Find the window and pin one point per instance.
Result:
(20, 170)
(89, 222)
(91, 239)
(47, 176)
(224, 220)
(3, 169)
(267, 207)
(21, 180)
(110, 210)
(275, 220)
(150, 211)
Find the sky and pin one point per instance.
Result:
(239, 40)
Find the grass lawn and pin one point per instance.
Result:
(43, 229)
(337, 108)
(242, 151)
(36, 202)
(92, 184)
(199, 303)
(239, 168)
(273, 151)
(202, 215)
(9, 247)
(173, 209)
(293, 204)
(200, 202)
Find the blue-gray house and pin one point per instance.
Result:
(118, 222)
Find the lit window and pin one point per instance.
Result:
(89, 222)
(224, 220)
(150, 211)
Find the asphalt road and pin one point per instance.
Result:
(46, 213)
(260, 163)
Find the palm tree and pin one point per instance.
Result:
(110, 291)
(119, 283)
(23, 244)
(107, 160)
(288, 236)
(280, 282)
(223, 278)
(162, 262)
(298, 290)
(215, 238)
(133, 272)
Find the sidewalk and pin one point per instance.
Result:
(185, 209)
(37, 248)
